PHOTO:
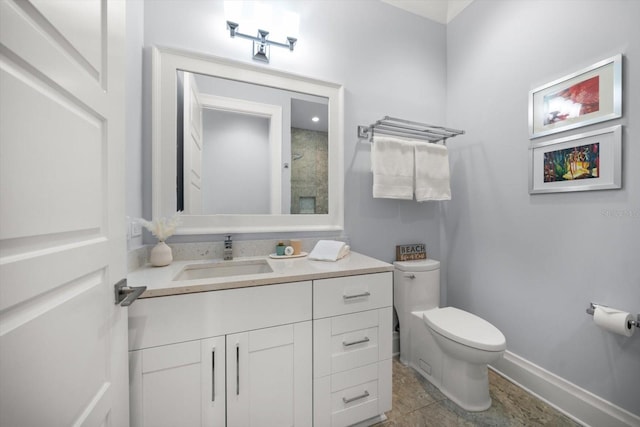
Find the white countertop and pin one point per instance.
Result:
(159, 280)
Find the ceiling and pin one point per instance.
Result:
(442, 11)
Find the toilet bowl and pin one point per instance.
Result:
(448, 346)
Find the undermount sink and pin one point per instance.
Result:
(224, 269)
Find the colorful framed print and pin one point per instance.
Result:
(588, 96)
(588, 161)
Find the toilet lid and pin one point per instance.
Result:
(417, 265)
(465, 328)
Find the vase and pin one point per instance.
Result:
(161, 255)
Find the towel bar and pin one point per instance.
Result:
(407, 128)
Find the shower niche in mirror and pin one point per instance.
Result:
(241, 148)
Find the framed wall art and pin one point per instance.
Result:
(588, 96)
(588, 161)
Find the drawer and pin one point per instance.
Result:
(343, 295)
(349, 397)
(354, 404)
(346, 342)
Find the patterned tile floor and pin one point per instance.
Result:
(417, 403)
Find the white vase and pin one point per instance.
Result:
(161, 255)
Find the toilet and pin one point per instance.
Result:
(448, 346)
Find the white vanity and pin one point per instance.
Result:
(308, 343)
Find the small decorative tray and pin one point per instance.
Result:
(300, 255)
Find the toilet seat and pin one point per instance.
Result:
(465, 328)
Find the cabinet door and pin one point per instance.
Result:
(179, 385)
(269, 377)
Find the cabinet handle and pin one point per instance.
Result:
(347, 344)
(237, 369)
(353, 399)
(213, 375)
(364, 294)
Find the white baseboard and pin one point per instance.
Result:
(573, 401)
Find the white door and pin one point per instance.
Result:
(192, 146)
(63, 341)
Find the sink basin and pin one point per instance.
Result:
(224, 269)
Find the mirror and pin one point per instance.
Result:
(266, 146)
(234, 147)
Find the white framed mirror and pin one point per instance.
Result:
(236, 180)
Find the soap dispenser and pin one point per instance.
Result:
(228, 249)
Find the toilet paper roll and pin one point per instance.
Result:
(613, 320)
(288, 251)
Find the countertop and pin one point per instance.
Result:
(159, 280)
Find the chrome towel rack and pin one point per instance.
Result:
(408, 129)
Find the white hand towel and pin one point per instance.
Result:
(432, 172)
(392, 166)
(329, 250)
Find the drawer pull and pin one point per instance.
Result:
(353, 399)
(347, 344)
(364, 294)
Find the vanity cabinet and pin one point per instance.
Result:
(352, 341)
(223, 358)
(312, 352)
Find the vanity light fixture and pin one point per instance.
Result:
(260, 43)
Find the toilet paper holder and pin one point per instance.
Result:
(592, 307)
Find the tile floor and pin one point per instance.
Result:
(417, 403)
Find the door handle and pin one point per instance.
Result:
(213, 374)
(126, 295)
(237, 369)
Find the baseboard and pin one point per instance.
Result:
(577, 403)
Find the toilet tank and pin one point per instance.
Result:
(416, 285)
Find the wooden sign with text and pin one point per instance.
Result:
(411, 252)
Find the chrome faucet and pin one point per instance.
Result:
(228, 249)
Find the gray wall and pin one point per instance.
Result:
(531, 264)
